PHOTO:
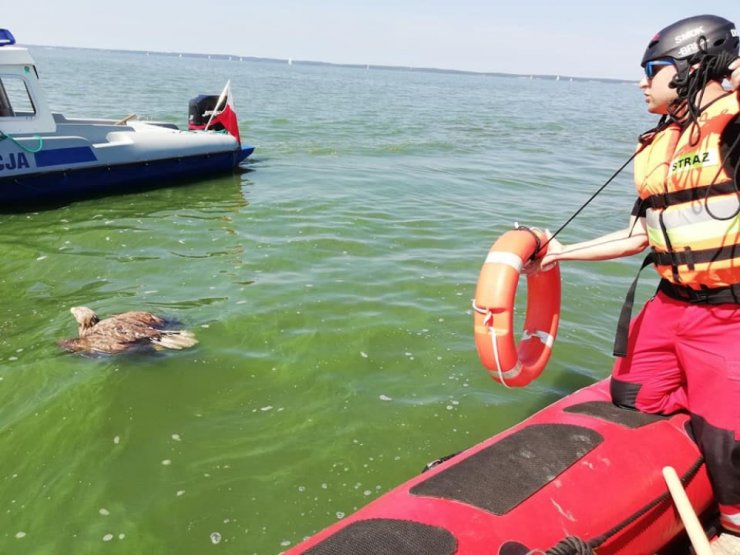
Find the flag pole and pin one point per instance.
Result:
(221, 99)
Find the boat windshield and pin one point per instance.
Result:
(15, 100)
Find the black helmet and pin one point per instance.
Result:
(702, 34)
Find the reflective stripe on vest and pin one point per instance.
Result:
(697, 224)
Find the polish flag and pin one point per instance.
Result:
(227, 116)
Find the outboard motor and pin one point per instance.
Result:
(200, 109)
(205, 112)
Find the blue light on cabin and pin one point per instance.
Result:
(6, 37)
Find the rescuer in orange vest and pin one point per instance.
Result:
(682, 352)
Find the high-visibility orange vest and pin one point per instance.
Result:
(693, 205)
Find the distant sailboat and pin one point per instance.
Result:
(557, 78)
(290, 61)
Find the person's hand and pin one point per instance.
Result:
(548, 261)
(735, 75)
(554, 248)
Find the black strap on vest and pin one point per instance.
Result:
(719, 295)
(664, 200)
(691, 257)
(625, 315)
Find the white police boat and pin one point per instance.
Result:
(47, 158)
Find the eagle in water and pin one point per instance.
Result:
(130, 331)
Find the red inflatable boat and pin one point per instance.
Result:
(580, 476)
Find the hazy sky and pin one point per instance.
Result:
(590, 38)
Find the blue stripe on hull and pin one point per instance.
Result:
(56, 186)
(61, 156)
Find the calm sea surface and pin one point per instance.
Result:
(329, 286)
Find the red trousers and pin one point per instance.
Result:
(686, 357)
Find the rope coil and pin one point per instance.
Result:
(572, 545)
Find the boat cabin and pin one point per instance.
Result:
(23, 106)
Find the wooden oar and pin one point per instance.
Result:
(125, 120)
(690, 521)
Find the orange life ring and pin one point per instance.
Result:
(508, 363)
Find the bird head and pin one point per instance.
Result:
(85, 317)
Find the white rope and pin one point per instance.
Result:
(488, 322)
(492, 333)
(486, 312)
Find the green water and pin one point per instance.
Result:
(329, 286)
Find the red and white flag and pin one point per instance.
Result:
(227, 116)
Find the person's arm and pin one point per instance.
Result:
(625, 242)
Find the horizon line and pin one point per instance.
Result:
(292, 61)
